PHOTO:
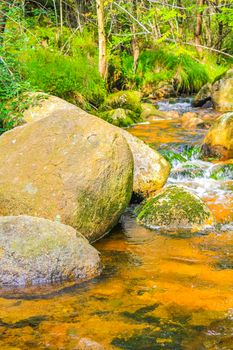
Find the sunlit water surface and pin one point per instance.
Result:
(157, 291)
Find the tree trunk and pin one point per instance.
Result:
(198, 30)
(102, 39)
(135, 44)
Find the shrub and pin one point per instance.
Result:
(62, 75)
(11, 89)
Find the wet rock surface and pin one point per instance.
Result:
(36, 251)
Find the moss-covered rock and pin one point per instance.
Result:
(148, 110)
(222, 171)
(120, 117)
(70, 165)
(222, 92)
(218, 142)
(130, 100)
(151, 170)
(38, 251)
(174, 207)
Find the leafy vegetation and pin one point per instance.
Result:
(11, 90)
(147, 46)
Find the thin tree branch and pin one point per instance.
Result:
(134, 18)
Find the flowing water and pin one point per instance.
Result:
(157, 291)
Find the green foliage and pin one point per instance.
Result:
(164, 64)
(11, 89)
(222, 172)
(63, 75)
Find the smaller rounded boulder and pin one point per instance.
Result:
(151, 170)
(119, 117)
(203, 96)
(38, 251)
(130, 100)
(222, 92)
(218, 142)
(172, 208)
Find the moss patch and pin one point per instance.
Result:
(120, 117)
(174, 207)
(124, 99)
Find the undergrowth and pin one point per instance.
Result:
(12, 87)
(169, 64)
(63, 75)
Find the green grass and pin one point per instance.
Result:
(12, 87)
(167, 63)
(187, 74)
(62, 75)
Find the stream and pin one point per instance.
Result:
(157, 290)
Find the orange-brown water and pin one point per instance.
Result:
(157, 291)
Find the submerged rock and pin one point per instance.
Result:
(222, 92)
(151, 170)
(174, 207)
(191, 120)
(187, 171)
(38, 251)
(222, 171)
(130, 100)
(70, 165)
(218, 142)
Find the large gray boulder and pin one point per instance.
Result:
(69, 165)
(38, 251)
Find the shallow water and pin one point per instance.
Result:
(157, 291)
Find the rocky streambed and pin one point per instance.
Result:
(159, 289)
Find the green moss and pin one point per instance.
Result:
(98, 208)
(120, 117)
(130, 100)
(175, 207)
(148, 110)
